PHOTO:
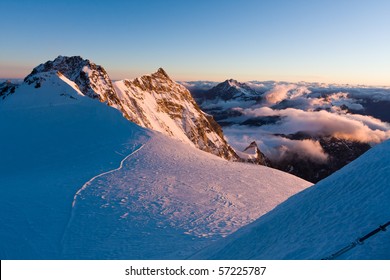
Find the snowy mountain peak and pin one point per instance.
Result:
(232, 83)
(235, 84)
(161, 72)
(229, 90)
(91, 79)
(252, 148)
(253, 154)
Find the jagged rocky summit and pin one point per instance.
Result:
(91, 79)
(228, 90)
(252, 154)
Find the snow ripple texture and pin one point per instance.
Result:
(102, 174)
(169, 201)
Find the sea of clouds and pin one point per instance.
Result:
(319, 110)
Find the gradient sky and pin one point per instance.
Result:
(337, 41)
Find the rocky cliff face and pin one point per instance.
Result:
(157, 102)
(6, 89)
(153, 101)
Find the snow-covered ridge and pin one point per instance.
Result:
(153, 101)
(91, 79)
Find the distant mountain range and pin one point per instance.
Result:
(308, 129)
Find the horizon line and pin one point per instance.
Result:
(344, 84)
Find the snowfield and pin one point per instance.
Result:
(323, 219)
(168, 201)
(79, 181)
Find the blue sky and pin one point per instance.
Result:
(326, 41)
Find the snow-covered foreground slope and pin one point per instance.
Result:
(169, 200)
(53, 140)
(321, 220)
(77, 180)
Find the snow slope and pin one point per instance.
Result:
(54, 139)
(173, 198)
(77, 180)
(321, 220)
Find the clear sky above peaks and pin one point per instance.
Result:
(342, 41)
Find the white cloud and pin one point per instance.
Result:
(199, 85)
(278, 93)
(309, 148)
(323, 123)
